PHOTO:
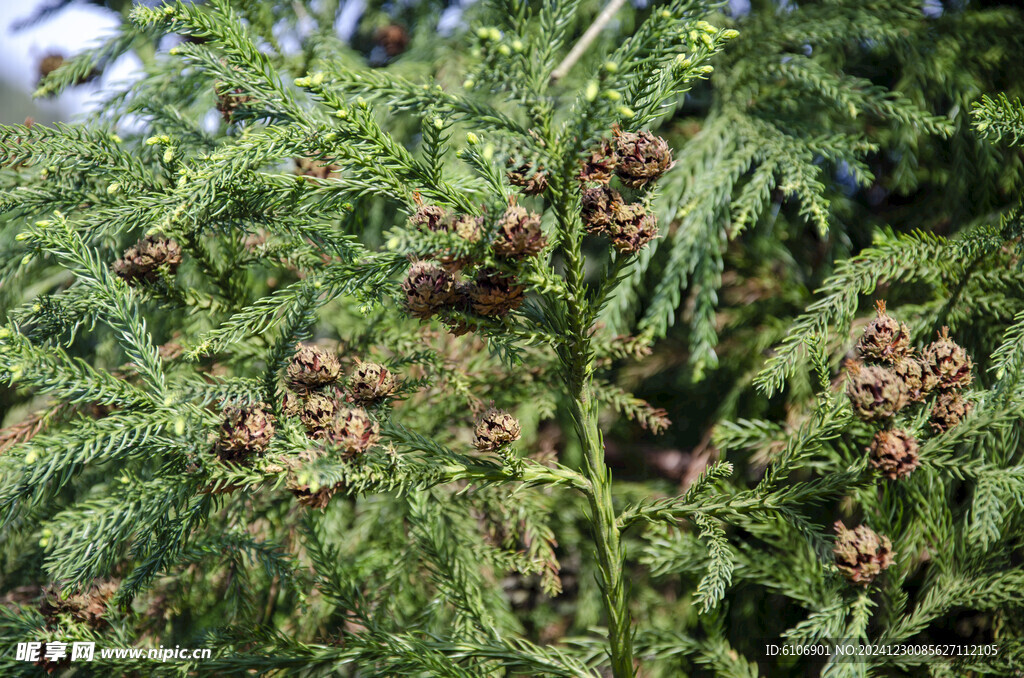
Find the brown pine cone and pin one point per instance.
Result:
(916, 381)
(428, 288)
(885, 338)
(598, 208)
(371, 382)
(599, 165)
(642, 157)
(861, 554)
(318, 414)
(245, 432)
(142, 261)
(525, 177)
(519, 234)
(950, 409)
(496, 429)
(495, 295)
(312, 367)
(894, 453)
(875, 392)
(353, 431)
(633, 228)
(948, 362)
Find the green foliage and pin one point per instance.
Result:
(856, 149)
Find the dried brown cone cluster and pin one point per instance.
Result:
(637, 159)
(435, 288)
(230, 100)
(308, 167)
(894, 453)
(861, 554)
(875, 392)
(629, 226)
(311, 367)
(519, 234)
(531, 181)
(496, 429)
(244, 432)
(439, 220)
(143, 260)
(353, 431)
(371, 383)
(88, 607)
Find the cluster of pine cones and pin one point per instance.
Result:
(331, 411)
(435, 287)
(636, 159)
(893, 377)
(145, 260)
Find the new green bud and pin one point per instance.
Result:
(472, 139)
(626, 112)
(592, 90)
(504, 50)
(611, 67)
(730, 34)
(612, 95)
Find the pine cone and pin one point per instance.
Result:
(885, 338)
(642, 156)
(318, 414)
(496, 429)
(319, 499)
(308, 167)
(494, 295)
(875, 392)
(291, 404)
(142, 261)
(633, 228)
(431, 217)
(244, 432)
(894, 453)
(312, 367)
(598, 207)
(861, 554)
(428, 288)
(371, 382)
(532, 182)
(88, 606)
(519, 234)
(393, 38)
(948, 362)
(598, 167)
(949, 410)
(353, 431)
(467, 227)
(229, 101)
(916, 380)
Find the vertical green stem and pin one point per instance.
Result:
(577, 357)
(606, 536)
